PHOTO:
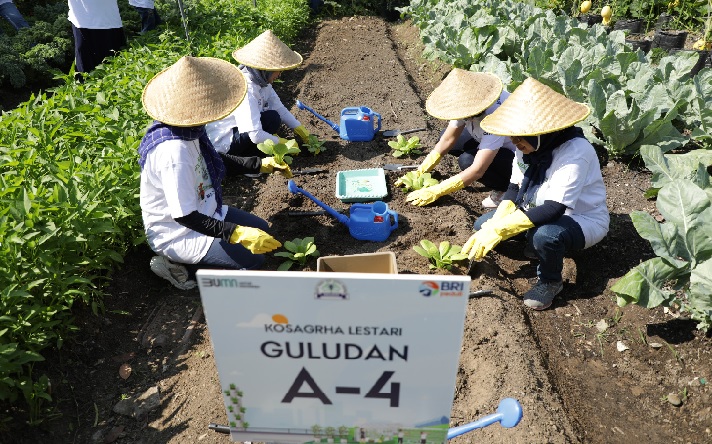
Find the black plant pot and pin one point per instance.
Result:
(669, 39)
(663, 22)
(702, 57)
(590, 19)
(642, 44)
(634, 26)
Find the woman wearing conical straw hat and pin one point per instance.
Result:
(260, 115)
(185, 220)
(465, 98)
(560, 203)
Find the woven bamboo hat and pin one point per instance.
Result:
(194, 91)
(268, 53)
(533, 109)
(463, 94)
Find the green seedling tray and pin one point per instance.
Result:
(361, 185)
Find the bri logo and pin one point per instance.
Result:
(429, 288)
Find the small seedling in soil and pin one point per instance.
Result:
(414, 181)
(402, 147)
(440, 257)
(298, 251)
(282, 151)
(314, 145)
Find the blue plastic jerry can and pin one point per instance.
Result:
(359, 124)
(372, 222)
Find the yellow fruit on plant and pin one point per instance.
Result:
(606, 13)
(702, 45)
(606, 22)
(585, 6)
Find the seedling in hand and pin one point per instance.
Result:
(440, 257)
(402, 147)
(298, 251)
(282, 151)
(414, 181)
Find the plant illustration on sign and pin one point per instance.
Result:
(235, 408)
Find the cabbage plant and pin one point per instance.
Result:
(681, 274)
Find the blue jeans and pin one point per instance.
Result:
(224, 255)
(10, 12)
(550, 243)
(149, 18)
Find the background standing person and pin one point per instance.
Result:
(260, 115)
(98, 31)
(149, 16)
(185, 220)
(561, 201)
(465, 98)
(9, 11)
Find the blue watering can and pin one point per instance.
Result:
(357, 123)
(370, 222)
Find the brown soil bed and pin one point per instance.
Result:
(573, 383)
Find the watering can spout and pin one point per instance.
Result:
(294, 189)
(333, 126)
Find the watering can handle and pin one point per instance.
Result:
(379, 121)
(393, 213)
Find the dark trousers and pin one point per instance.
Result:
(149, 18)
(500, 170)
(241, 144)
(92, 46)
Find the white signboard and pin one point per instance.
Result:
(335, 357)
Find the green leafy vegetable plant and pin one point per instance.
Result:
(314, 145)
(282, 151)
(681, 273)
(440, 257)
(414, 181)
(298, 251)
(402, 147)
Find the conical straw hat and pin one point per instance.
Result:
(268, 53)
(463, 94)
(532, 109)
(194, 91)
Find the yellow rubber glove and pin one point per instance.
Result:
(425, 196)
(483, 241)
(505, 208)
(254, 239)
(269, 165)
(430, 162)
(302, 133)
